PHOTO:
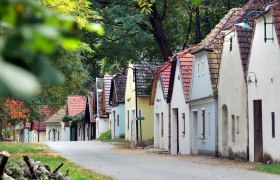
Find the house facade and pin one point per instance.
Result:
(144, 76)
(181, 74)
(56, 129)
(117, 102)
(103, 86)
(263, 89)
(76, 106)
(159, 93)
(204, 89)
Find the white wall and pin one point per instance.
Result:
(233, 95)
(200, 83)
(64, 132)
(160, 108)
(178, 101)
(102, 125)
(265, 63)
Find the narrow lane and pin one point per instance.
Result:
(139, 164)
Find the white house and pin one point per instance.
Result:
(264, 87)
(181, 73)
(55, 127)
(232, 97)
(161, 80)
(204, 90)
(103, 86)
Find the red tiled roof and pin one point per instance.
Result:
(275, 10)
(76, 105)
(107, 88)
(41, 126)
(165, 72)
(186, 61)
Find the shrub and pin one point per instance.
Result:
(105, 135)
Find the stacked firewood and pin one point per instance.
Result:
(30, 169)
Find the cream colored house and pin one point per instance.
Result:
(144, 83)
(263, 89)
(232, 96)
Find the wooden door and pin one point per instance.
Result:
(258, 138)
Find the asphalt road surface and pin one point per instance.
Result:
(147, 165)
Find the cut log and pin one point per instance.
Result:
(5, 157)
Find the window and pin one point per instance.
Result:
(233, 128)
(237, 125)
(118, 120)
(202, 68)
(162, 125)
(273, 124)
(127, 119)
(183, 123)
(58, 135)
(140, 113)
(203, 124)
(49, 133)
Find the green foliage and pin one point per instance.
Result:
(105, 135)
(76, 118)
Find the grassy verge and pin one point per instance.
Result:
(273, 168)
(40, 152)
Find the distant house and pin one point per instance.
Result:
(37, 131)
(263, 88)
(89, 120)
(116, 101)
(103, 86)
(232, 98)
(144, 77)
(180, 80)
(158, 99)
(204, 90)
(76, 106)
(55, 127)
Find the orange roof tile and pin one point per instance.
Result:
(76, 105)
(47, 113)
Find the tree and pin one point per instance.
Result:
(149, 29)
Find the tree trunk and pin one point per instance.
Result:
(229, 4)
(207, 20)
(197, 26)
(159, 34)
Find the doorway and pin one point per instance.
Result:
(258, 138)
(194, 140)
(225, 130)
(157, 131)
(175, 133)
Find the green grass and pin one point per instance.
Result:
(105, 135)
(40, 152)
(273, 168)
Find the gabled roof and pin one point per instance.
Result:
(57, 117)
(103, 86)
(41, 126)
(213, 44)
(107, 87)
(76, 105)
(162, 73)
(186, 62)
(144, 73)
(90, 101)
(275, 10)
(117, 91)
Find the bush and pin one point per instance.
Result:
(105, 135)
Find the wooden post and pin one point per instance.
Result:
(5, 157)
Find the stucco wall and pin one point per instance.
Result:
(178, 102)
(118, 130)
(233, 99)
(200, 83)
(160, 108)
(64, 132)
(102, 125)
(265, 63)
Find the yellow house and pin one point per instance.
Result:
(144, 76)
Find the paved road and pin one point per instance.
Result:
(141, 164)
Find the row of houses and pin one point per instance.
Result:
(218, 97)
